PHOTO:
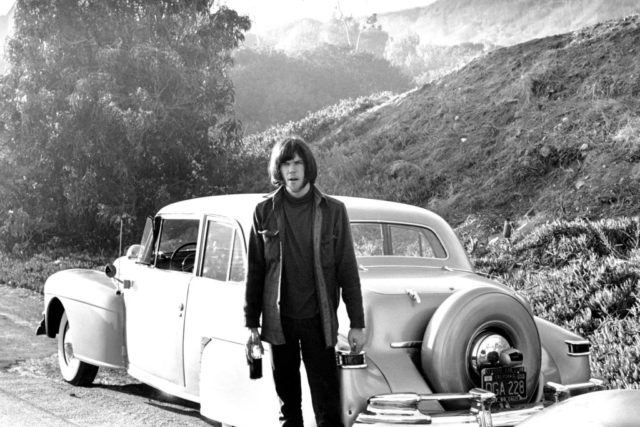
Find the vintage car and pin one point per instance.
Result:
(445, 345)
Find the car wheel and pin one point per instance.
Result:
(461, 326)
(73, 370)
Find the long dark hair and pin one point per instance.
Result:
(286, 150)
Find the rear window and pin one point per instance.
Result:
(385, 239)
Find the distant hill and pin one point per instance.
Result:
(452, 22)
(501, 22)
(550, 126)
(428, 42)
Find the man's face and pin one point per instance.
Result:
(292, 172)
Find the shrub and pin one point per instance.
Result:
(31, 272)
(584, 276)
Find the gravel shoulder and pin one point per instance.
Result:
(33, 393)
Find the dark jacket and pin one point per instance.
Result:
(335, 267)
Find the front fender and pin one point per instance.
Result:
(95, 310)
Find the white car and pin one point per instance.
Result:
(445, 345)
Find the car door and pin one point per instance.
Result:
(216, 296)
(215, 336)
(155, 303)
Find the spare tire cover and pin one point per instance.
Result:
(447, 345)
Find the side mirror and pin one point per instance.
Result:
(110, 270)
(133, 251)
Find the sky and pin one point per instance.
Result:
(5, 5)
(269, 14)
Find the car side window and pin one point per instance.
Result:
(223, 257)
(176, 248)
(367, 239)
(238, 269)
(382, 239)
(414, 242)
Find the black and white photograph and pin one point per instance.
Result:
(320, 213)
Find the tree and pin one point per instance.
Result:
(403, 52)
(115, 107)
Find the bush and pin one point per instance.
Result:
(584, 276)
(31, 272)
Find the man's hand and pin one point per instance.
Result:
(254, 339)
(357, 339)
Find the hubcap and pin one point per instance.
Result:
(486, 350)
(68, 346)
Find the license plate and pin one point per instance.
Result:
(508, 384)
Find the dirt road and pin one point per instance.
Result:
(33, 393)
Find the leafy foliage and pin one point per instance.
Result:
(111, 109)
(585, 276)
(32, 271)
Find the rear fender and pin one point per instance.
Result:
(95, 310)
(558, 364)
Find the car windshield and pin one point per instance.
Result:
(387, 239)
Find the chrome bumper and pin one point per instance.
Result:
(402, 408)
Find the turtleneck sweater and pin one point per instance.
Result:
(298, 293)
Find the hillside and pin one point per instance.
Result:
(550, 125)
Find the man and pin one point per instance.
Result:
(301, 258)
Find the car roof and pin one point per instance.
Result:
(241, 207)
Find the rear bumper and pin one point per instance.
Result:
(402, 408)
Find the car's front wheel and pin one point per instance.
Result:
(73, 370)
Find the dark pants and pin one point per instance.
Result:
(305, 335)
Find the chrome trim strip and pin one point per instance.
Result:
(401, 409)
(573, 345)
(591, 385)
(558, 392)
(499, 419)
(578, 342)
(406, 344)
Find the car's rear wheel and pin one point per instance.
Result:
(73, 370)
(469, 323)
